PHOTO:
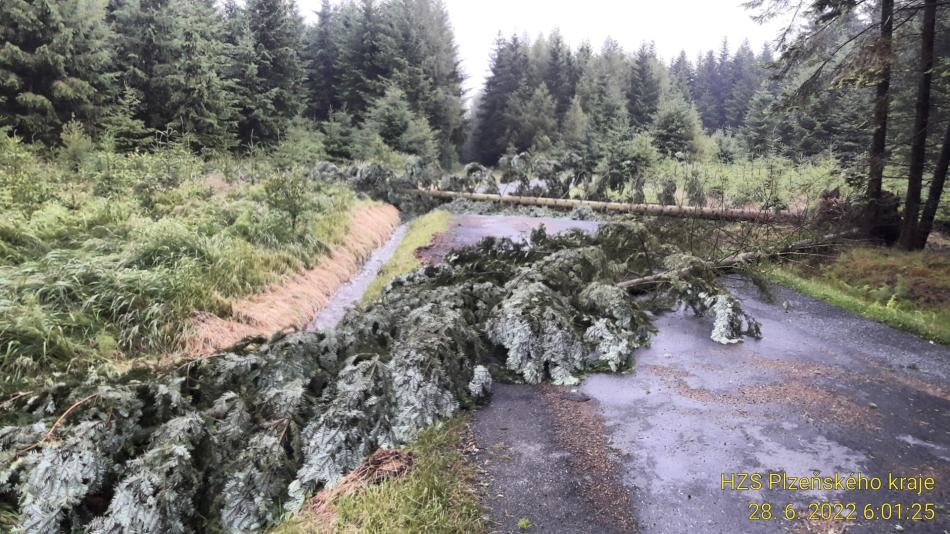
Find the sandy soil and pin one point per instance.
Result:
(297, 299)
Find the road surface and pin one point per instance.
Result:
(823, 391)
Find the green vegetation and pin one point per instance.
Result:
(524, 523)
(420, 233)
(226, 76)
(106, 256)
(434, 496)
(906, 290)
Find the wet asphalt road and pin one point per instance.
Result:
(526, 469)
(468, 230)
(823, 390)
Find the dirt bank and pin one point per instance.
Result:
(298, 298)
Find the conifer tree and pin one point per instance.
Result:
(276, 32)
(428, 70)
(643, 94)
(508, 67)
(681, 75)
(745, 80)
(760, 125)
(122, 125)
(574, 126)
(54, 65)
(705, 90)
(677, 129)
(602, 90)
(369, 58)
(398, 126)
(171, 53)
(531, 119)
(557, 74)
(323, 53)
(201, 100)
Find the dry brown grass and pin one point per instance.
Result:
(382, 465)
(299, 297)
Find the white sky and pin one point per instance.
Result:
(674, 25)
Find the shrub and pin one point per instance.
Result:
(627, 163)
(677, 130)
(301, 147)
(290, 193)
(77, 145)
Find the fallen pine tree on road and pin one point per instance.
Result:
(225, 443)
(735, 260)
(718, 214)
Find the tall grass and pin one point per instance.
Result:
(421, 231)
(906, 290)
(111, 259)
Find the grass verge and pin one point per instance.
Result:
(434, 496)
(107, 262)
(906, 290)
(421, 231)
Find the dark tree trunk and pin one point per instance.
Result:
(908, 239)
(936, 190)
(881, 104)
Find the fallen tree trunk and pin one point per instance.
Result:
(733, 261)
(642, 209)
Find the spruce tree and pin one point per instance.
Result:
(54, 65)
(602, 90)
(201, 100)
(677, 129)
(323, 53)
(681, 75)
(277, 33)
(428, 71)
(706, 89)
(398, 126)
(509, 64)
(643, 94)
(369, 58)
(531, 119)
(746, 76)
(171, 53)
(574, 126)
(760, 125)
(557, 74)
(122, 125)
(145, 47)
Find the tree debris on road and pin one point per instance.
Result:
(222, 442)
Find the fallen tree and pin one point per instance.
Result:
(734, 261)
(225, 443)
(659, 210)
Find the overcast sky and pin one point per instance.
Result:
(674, 25)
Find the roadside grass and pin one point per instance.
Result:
(420, 233)
(107, 262)
(906, 290)
(436, 495)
